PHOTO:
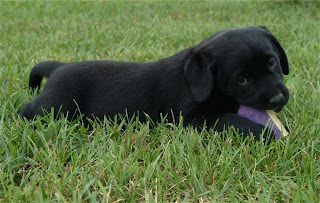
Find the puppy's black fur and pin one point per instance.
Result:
(204, 82)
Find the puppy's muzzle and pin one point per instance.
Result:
(278, 100)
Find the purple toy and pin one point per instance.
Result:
(263, 118)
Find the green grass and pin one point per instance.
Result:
(62, 161)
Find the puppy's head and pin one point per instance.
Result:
(247, 64)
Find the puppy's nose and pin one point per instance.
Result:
(274, 101)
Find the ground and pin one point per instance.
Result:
(62, 161)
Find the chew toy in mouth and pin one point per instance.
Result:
(262, 117)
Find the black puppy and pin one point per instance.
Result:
(205, 82)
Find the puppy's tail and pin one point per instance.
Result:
(42, 69)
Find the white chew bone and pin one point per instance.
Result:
(276, 121)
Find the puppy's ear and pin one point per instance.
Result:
(283, 56)
(282, 53)
(199, 74)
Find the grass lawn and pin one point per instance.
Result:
(62, 161)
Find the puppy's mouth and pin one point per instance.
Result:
(277, 108)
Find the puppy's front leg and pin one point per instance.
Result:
(226, 120)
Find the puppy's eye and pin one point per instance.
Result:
(242, 80)
(271, 64)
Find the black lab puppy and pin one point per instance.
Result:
(204, 82)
